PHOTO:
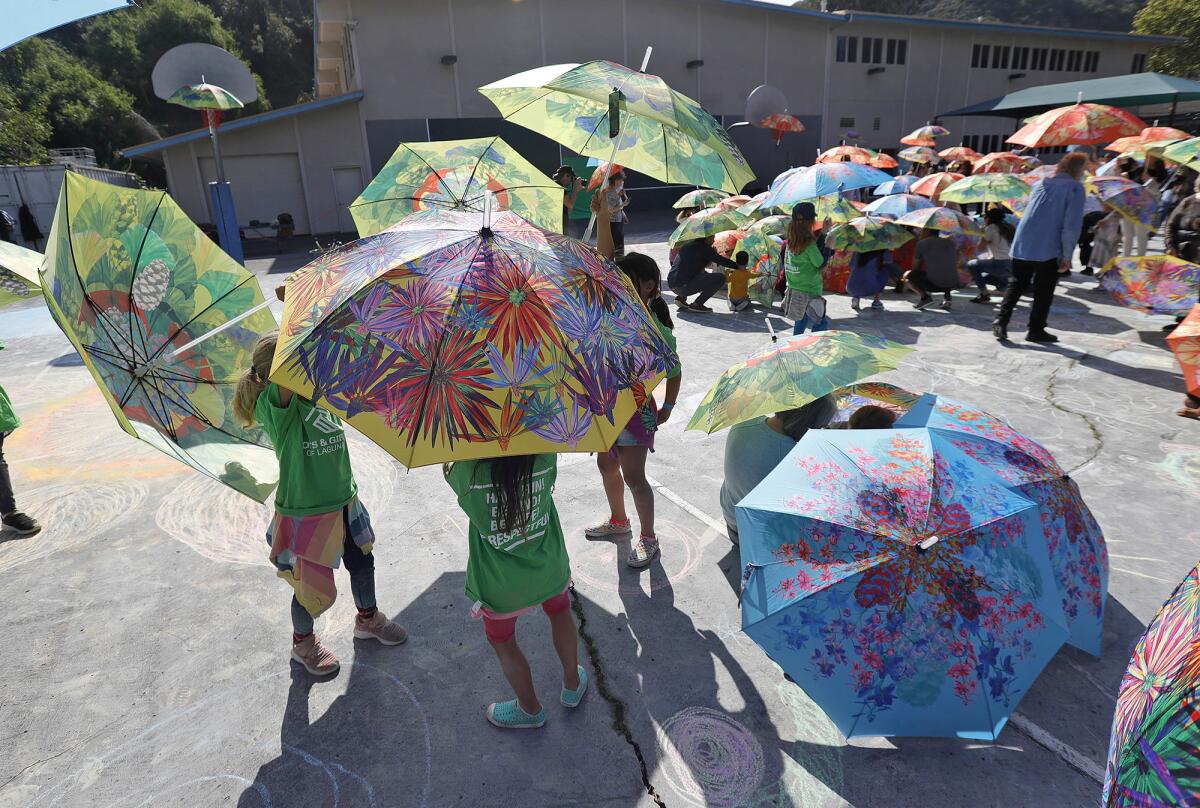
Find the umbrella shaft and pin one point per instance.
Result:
(587, 235)
(158, 360)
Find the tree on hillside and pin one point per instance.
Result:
(1173, 18)
(275, 37)
(1105, 15)
(23, 133)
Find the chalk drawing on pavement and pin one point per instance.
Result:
(600, 564)
(709, 758)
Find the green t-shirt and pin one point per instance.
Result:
(803, 270)
(507, 572)
(9, 420)
(314, 463)
(669, 337)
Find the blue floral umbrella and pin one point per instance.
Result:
(899, 582)
(1078, 555)
(896, 205)
(896, 185)
(823, 179)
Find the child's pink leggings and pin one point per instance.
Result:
(501, 630)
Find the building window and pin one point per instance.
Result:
(1093, 62)
(1020, 58)
(1000, 57)
(1056, 59)
(875, 124)
(901, 51)
(846, 52)
(1139, 63)
(1076, 63)
(1039, 59)
(980, 55)
(873, 50)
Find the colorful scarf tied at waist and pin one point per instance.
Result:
(307, 549)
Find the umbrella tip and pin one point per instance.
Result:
(928, 542)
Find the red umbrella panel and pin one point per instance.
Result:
(1078, 124)
(780, 124)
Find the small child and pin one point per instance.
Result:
(318, 518)
(802, 263)
(739, 283)
(1106, 243)
(517, 559)
(11, 518)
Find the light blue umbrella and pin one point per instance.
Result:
(896, 185)
(896, 205)
(26, 18)
(823, 179)
(899, 582)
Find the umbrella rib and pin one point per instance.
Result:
(134, 271)
(475, 168)
(436, 173)
(197, 316)
(184, 404)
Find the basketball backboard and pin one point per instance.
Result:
(763, 102)
(184, 65)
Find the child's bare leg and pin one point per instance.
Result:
(516, 671)
(614, 485)
(566, 643)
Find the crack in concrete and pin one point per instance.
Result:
(1097, 437)
(619, 723)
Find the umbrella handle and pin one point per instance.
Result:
(771, 328)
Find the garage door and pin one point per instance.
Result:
(264, 185)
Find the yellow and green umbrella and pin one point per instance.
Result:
(919, 154)
(205, 96)
(441, 339)
(835, 208)
(985, 188)
(164, 321)
(771, 225)
(792, 372)
(450, 174)
(940, 218)
(707, 222)
(18, 273)
(867, 234)
(1185, 152)
(700, 198)
(663, 133)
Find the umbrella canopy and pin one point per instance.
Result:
(699, 198)
(792, 372)
(1154, 750)
(896, 205)
(726, 240)
(600, 171)
(943, 219)
(1185, 342)
(771, 225)
(1155, 284)
(1000, 163)
(985, 188)
(1036, 175)
(899, 583)
(847, 154)
(733, 203)
(1078, 555)
(896, 185)
(852, 397)
(456, 174)
(867, 234)
(780, 124)
(1078, 124)
(18, 273)
(132, 282)
(1151, 134)
(822, 180)
(755, 208)
(663, 134)
(956, 153)
(836, 208)
(919, 154)
(924, 135)
(205, 96)
(1186, 152)
(26, 19)
(1128, 198)
(707, 222)
(441, 340)
(766, 252)
(884, 161)
(933, 184)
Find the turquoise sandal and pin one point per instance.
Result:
(509, 715)
(571, 698)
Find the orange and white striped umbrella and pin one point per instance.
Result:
(1078, 124)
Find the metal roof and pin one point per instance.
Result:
(1133, 90)
(1010, 28)
(241, 123)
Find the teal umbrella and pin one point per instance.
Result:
(32, 17)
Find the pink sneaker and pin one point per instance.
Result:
(315, 657)
(378, 627)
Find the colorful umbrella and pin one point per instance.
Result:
(1078, 124)
(943, 219)
(441, 339)
(707, 222)
(1078, 556)
(1154, 750)
(1128, 198)
(899, 583)
(699, 198)
(985, 188)
(853, 397)
(1155, 284)
(836, 208)
(1151, 134)
(792, 372)
(1185, 152)
(765, 251)
(896, 185)
(1185, 342)
(847, 154)
(771, 225)
(1036, 175)
(663, 134)
(780, 124)
(919, 154)
(867, 234)
(205, 96)
(883, 161)
(896, 205)
(755, 208)
(933, 184)
(456, 174)
(956, 153)
(18, 273)
(726, 240)
(823, 179)
(164, 321)
(733, 203)
(1000, 163)
(599, 172)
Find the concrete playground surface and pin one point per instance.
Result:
(150, 635)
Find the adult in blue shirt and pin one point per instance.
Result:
(1043, 246)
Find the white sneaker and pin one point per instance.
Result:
(607, 528)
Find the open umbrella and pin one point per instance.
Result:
(956, 153)
(1036, 175)
(853, 397)
(1130, 199)
(699, 198)
(1154, 749)
(1000, 163)
(447, 338)
(896, 185)
(601, 170)
(755, 209)
(1151, 134)
(923, 135)
(18, 273)
(867, 234)
(847, 154)
(663, 133)
(707, 222)
(766, 252)
(1155, 284)
(733, 203)
(899, 583)
(1185, 342)
(824, 179)
(456, 174)
(1078, 124)
(205, 96)
(792, 372)
(836, 208)
(985, 188)
(164, 321)
(780, 124)
(40, 16)
(1185, 152)
(943, 219)
(934, 184)
(919, 154)
(896, 205)
(884, 161)
(725, 241)
(771, 225)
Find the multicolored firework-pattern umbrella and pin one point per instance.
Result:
(1185, 343)
(133, 282)
(933, 184)
(1078, 124)
(899, 583)
(700, 198)
(824, 179)
(766, 262)
(942, 219)
(896, 185)
(985, 188)
(441, 340)
(894, 206)
(919, 154)
(18, 273)
(792, 372)
(1078, 555)
(1000, 163)
(867, 234)
(663, 133)
(707, 222)
(1154, 750)
(456, 174)
(1155, 284)
(1130, 199)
